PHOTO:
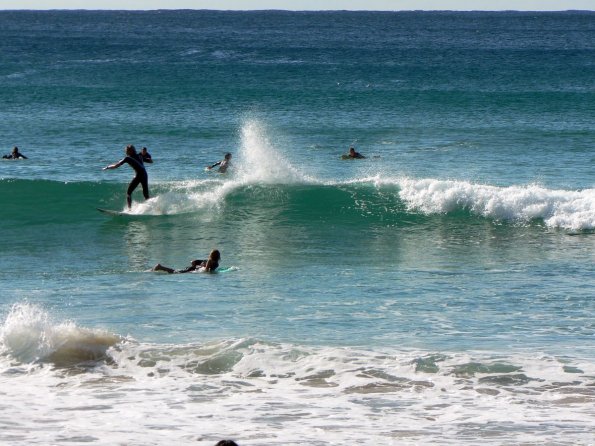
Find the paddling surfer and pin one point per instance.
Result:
(353, 154)
(209, 265)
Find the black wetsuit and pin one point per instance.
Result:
(13, 157)
(196, 265)
(141, 176)
(146, 158)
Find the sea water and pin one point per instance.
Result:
(440, 291)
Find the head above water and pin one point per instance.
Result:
(143, 150)
(352, 150)
(226, 443)
(15, 149)
(130, 150)
(215, 255)
(228, 156)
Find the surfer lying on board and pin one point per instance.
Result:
(15, 155)
(209, 265)
(223, 164)
(135, 161)
(353, 154)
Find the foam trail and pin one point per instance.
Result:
(181, 198)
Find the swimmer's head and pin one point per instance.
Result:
(130, 150)
(215, 255)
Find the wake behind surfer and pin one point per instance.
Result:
(209, 265)
(134, 160)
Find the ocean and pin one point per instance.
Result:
(438, 292)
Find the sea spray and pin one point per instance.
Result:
(260, 161)
(29, 335)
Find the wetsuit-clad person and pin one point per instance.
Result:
(146, 156)
(223, 164)
(353, 154)
(135, 161)
(15, 155)
(209, 265)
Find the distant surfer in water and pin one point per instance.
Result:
(223, 164)
(209, 265)
(146, 156)
(134, 160)
(353, 154)
(15, 155)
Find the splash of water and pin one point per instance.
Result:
(29, 335)
(260, 161)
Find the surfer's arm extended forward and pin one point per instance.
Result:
(214, 165)
(114, 166)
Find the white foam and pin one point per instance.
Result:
(558, 208)
(29, 335)
(184, 197)
(260, 162)
(269, 393)
(259, 393)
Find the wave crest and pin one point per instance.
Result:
(557, 208)
(28, 335)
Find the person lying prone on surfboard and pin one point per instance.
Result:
(209, 265)
(352, 154)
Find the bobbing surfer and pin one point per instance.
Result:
(352, 154)
(141, 177)
(15, 155)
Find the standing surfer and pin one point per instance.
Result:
(134, 160)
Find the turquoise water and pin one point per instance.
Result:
(444, 283)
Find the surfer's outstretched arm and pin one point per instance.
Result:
(114, 166)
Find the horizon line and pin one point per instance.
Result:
(297, 10)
